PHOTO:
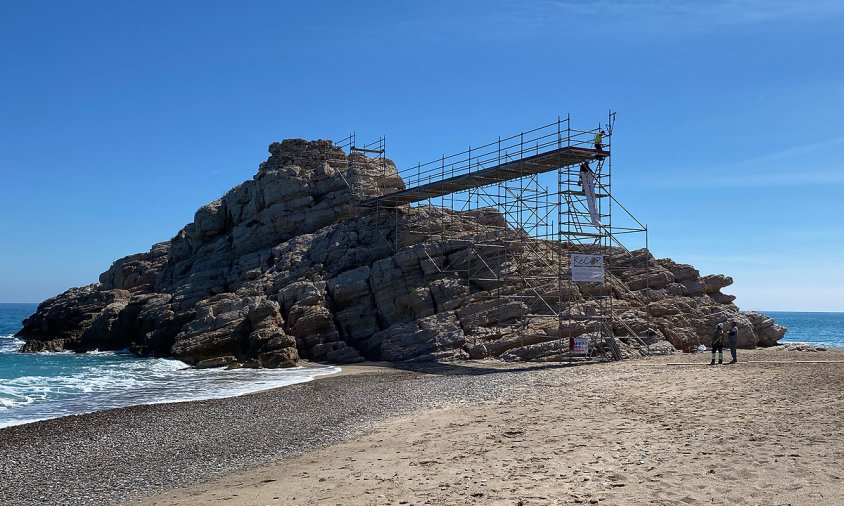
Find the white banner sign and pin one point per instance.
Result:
(588, 268)
(581, 345)
(587, 181)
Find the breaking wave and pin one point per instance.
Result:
(49, 385)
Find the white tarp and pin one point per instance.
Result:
(588, 268)
(587, 181)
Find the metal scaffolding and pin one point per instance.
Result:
(358, 156)
(521, 212)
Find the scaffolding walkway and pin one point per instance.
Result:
(507, 171)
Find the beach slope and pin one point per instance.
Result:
(766, 431)
(637, 432)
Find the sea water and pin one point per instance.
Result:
(817, 329)
(39, 386)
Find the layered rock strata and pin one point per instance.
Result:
(287, 265)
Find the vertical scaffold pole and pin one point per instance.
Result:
(502, 251)
(559, 134)
(565, 249)
(559, 250)
(442, 201)
(608, 239)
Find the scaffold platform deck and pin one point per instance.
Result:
(514, 169)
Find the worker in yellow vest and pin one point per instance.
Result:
(599, 140)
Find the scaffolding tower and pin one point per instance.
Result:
(527, 220)
(358, 156)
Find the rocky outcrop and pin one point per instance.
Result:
(136, 273)
(433, 337)
(288, 265)
(80, 319)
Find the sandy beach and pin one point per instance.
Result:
(765, 431)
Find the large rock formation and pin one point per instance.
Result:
(287, 265)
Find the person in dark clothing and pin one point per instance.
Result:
(733, 340)
(584, 170)
(718, 344)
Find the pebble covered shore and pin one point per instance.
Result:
(109, 456)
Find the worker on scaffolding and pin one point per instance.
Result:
(587, 182)
(599, 143)
(585, 170)
(718, 344)
(599, 140)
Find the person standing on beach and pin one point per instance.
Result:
(718, 344)
(733, 337)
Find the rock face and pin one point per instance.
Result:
(287, 265)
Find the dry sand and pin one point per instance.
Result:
(632, 432)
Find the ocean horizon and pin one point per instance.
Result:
(41, 386)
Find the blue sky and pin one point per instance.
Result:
(120, 118)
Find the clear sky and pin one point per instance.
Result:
(120, 118)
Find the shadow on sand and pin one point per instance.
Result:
(467, 369)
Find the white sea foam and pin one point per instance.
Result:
(92, 382)
(9, 344)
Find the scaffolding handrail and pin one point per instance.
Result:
(512, 169)
(515, 147)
